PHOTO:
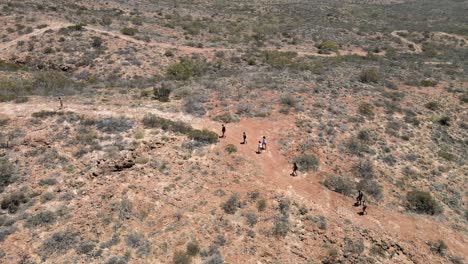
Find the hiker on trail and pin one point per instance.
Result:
(264, 141)
(259, 147)
(364, 207)
(244, 136)
(359, 198)
(223, 131)
(61, 102)
(294, 172)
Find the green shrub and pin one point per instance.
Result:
(230, 148)
(193, 248)
(279, 59)
(327, 47)
(186, 68)
(77, 27)
(226, 118)
(281, 226)
(7, 66)
(13, 201)
(422, 203)
(339, 184)
(7, 173)
(59, 243)
(307, 162)
(366, 109)
(439, 247)
(371, 187)
(261, 205)
(432, 105)
(114, 124)
(153, 121)
(232, 204)
(180, 257)
(129, 31)
(203, 136)
(289, 100)
(162, 93)
(370, 75)
(464, 97)
(428, 83)
(41, 219)
(44, 114)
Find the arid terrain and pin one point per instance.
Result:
(366, 95)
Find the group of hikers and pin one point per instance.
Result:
(262, 145)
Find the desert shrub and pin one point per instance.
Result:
(114, 240)
(279, 59)
(281, 226)
(366, 109)
(433, 105)
(76, 27)
(138, 242)
(204, 136)
(231, 205)
(370, 187)
(443, 120)
(307, 162)
(186, 68)
(422, 203)
(428, 83)
(320, 221)
(215, 258)
(261, 205)
(96, 42)
(59, 243)
(12, 202)
(114, 125)
(154, 121)
(169, 53)
(41, 219)
(129, 31)
(226, 118)
(220, 240)
(7, 173)
(438, 247)
(193, 248)
(370, 75)
(52, 83)
(327, 47)
(7, 66)
(353, 247)
(230, 148)
(194, 105)
(48, 196)
(117, 260)
(86, 247)
(44, 114)
(364, 169)
(251, 219)
(464, 97)
(6, 231)
(162, 93)
(289, 100)
(339, 184)
(180, 257)
(3, 121)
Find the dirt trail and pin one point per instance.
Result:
(276, 169)
(183, 50)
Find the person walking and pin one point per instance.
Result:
(259, 147)
(364, 207)
(264, 143)
(294, 172)
(359, 198)
(244, 136)
(223, 131)
(61, 102)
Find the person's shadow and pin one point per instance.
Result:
(356, 204)
(360, 213)
(242, 143)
